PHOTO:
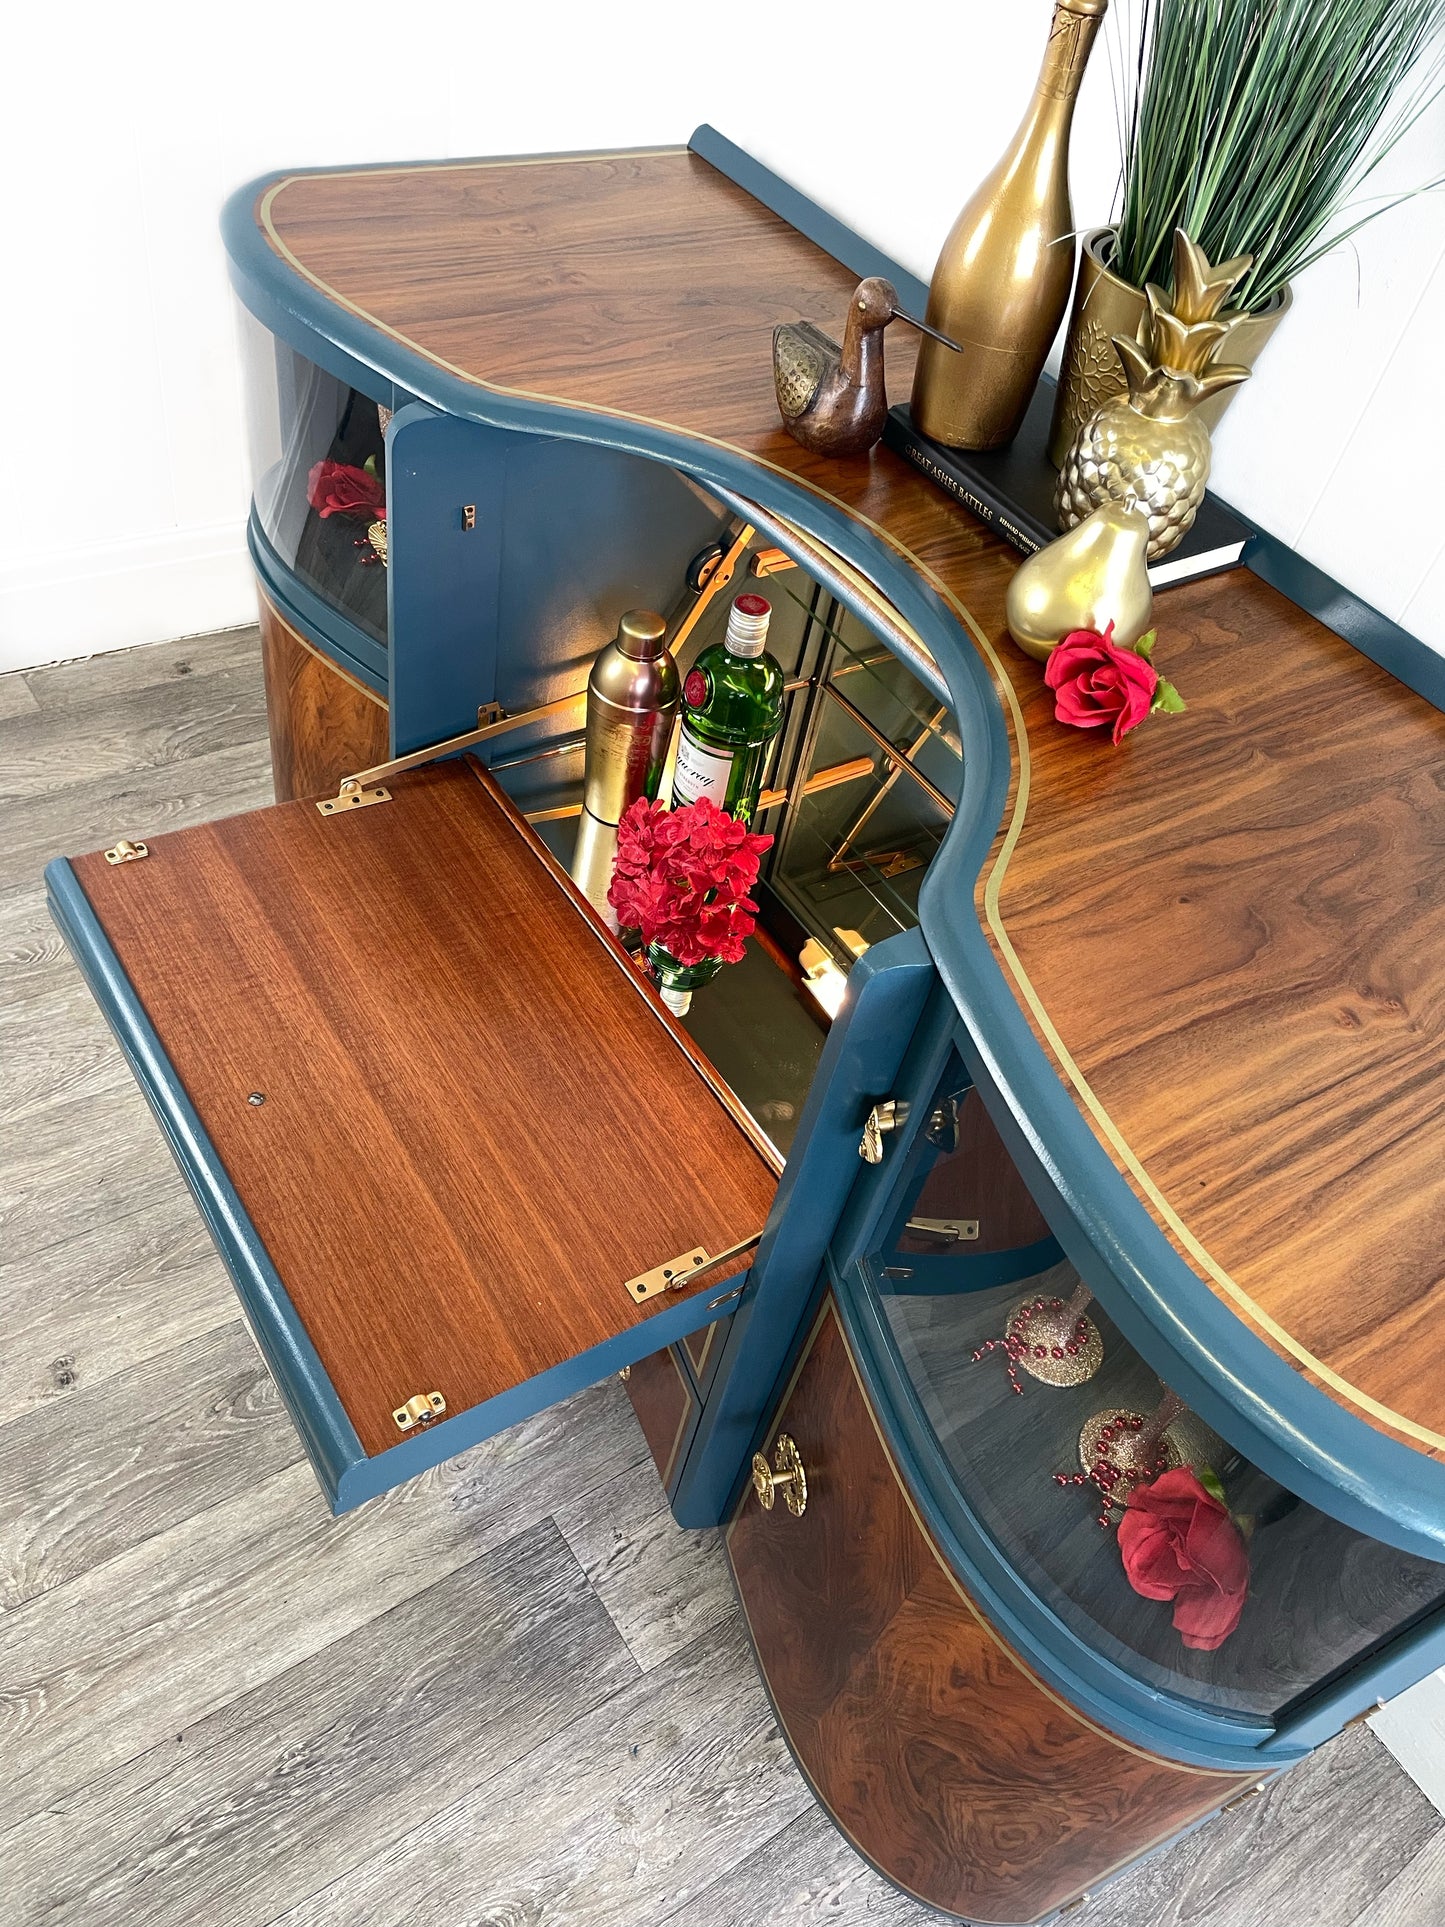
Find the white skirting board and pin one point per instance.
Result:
(111, 595)
(1413, 1728)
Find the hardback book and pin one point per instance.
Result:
(1012, 490)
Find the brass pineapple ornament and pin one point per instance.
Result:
(1145, 450)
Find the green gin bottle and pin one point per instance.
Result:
(732, 708)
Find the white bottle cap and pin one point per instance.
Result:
(748, 625)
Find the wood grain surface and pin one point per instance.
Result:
(451, 1060)
(1227, 933)
(663, 1401)
(939, 1755)
(323, 723)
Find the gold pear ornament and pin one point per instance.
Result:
(1145, 448)
(1094, 575)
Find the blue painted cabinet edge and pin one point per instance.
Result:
(380, 366)
(327, 1433)
(887, 990)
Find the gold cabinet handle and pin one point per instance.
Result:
(789, 1478)
(884, 1117)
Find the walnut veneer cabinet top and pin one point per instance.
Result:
(1228, 934)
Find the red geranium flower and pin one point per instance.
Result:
(336, 488)
(682, 878)
(1178, 1542)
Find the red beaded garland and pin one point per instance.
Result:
(1015, 1345)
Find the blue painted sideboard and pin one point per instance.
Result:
(979, 1662)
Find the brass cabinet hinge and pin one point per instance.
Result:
(127, 852)
(353, 797)
(1242, 1799)
(675, 1273)
(357, 792)
(420, 1410)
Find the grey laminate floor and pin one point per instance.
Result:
(511, 1695)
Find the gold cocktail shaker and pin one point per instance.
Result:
(632, 700)
(1002, 281)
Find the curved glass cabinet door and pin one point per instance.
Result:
(961, 1249)
(298, 415)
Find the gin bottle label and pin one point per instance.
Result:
(732, 710)
(702, 771)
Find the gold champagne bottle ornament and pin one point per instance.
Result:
(1002, 281)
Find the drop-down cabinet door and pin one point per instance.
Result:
(436, 1124)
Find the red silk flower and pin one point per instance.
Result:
(682, 878)
(1096, 682)
(1178, 1542)
(336, 488)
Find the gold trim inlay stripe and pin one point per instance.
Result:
(1113, 1137)
(689, 1407)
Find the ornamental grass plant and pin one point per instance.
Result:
(1258, 125)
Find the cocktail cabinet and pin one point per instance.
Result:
(1069, 1104)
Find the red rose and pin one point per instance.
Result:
(1096, 682)
(1178, 1542)
(335, 488)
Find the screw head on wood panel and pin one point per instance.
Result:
(256, 1097)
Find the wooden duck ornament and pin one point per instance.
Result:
(833, 400)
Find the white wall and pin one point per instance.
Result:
(123, 128)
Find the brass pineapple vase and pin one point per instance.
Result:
(1147, 450)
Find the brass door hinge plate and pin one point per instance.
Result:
(949, 1231)
(675, 1273)
(127, 852)
(669, 1277)
(353, 799)
(420, 1410)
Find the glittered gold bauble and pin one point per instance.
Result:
(1094, 575)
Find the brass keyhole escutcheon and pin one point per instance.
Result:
(789, 1478)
